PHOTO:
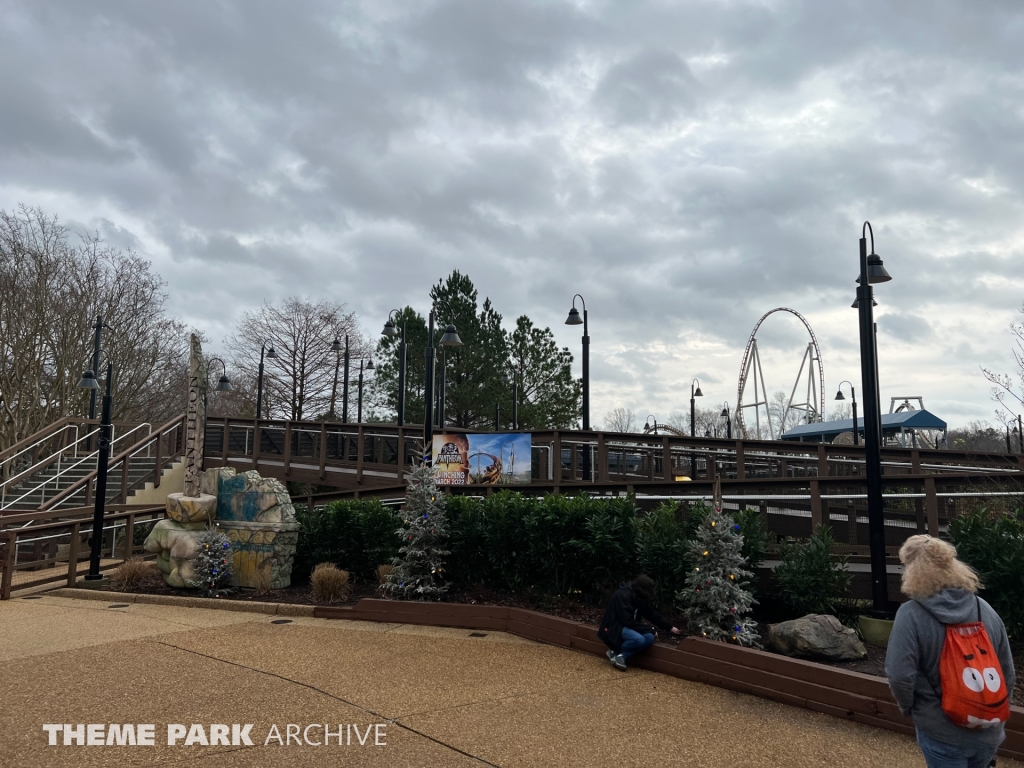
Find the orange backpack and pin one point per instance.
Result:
(974, 691)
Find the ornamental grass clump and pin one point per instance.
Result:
(132, 573)
(330, 583)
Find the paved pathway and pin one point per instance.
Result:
(445, 698)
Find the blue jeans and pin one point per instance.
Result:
(938, 754)
(633, 642)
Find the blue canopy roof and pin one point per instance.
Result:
(892, 423)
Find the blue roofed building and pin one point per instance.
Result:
(909, 428)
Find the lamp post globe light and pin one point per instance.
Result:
(872, 271)
(88, 381)
(270, 353)
(391, 331)
(853, 402)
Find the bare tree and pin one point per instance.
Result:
(620, 420)
(710, 421)
(1005, 392)
(840, 411)
(784, 417)
(977, 436)
(305, 379)
(53, 284)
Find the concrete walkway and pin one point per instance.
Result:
(442, 696)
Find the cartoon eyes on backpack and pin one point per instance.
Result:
(978, 681)
(992, 680)
(972, 679)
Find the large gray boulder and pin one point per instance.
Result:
(816, 637)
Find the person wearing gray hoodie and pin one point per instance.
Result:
(942, 591)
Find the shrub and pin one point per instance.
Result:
(132, 573)
(810, 580)
(993, 544)
(330, 583)
(357, 535)
(261, 579)
(661, 550)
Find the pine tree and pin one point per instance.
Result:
(716, 596)
(419, 568)
(212, 564)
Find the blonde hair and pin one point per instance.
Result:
(932, 566)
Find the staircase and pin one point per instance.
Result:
(31, 493)
(54, 470)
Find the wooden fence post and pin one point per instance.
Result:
(822, 461)
(556, 460)
(323, 450)
(360, 452)
(288, 449)
(602, 458)
(815, 505)
(931, 501)
(741, 462)
(73, 544)
(666, 460)
(129, 536)
(9, 559)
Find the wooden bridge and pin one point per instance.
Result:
(795, 485)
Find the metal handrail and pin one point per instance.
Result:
(116, 460)
(60, 472)
(40, 441)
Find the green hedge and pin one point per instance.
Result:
(357, 536)
(554, 545)
(993, 544)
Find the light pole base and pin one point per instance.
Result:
(94, 577)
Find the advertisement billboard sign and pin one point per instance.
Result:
(501, 458)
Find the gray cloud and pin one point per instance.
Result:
(684, 166)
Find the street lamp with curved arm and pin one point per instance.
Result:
(693, 406)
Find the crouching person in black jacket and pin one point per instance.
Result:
(621, 630)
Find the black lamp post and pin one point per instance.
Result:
(728, 421)
(574, 319)
(89, 382)
(390, 330)
(336, 347)
(872, 271)
(359, 407)
(1020, 435)
(514, 381)
(270, 353)
(693, 407)
(853, 402)
(449, 339)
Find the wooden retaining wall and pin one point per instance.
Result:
(832, 691)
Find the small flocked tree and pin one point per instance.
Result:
(212, 564)
(716, 596)
(418, 571)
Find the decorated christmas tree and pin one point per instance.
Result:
(418, 571)
(715, 596)
(212, 564)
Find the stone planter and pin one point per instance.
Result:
(875, 631)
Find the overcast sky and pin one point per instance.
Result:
(685, 166)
